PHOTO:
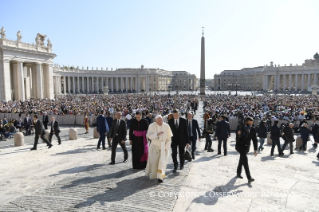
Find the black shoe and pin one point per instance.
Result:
(104, 148)
(193, 157)
(292, 153)
(225, 154)
(159, 180)
(262, 148)
(282, 154)
(190, 160)
(33, 149)
(271, 154)
(97, 148)
(125, 160)
(175, 169)
(251, 180)
(210, 150)
(219, 153)
(111, 163)
(60, 143)
(182, 167)
(205, 149)
(239, 176)
(50, 146)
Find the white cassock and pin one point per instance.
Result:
(158, 151)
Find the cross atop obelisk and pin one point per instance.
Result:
(202, 66)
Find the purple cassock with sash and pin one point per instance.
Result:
(143, 134)
(138, 131)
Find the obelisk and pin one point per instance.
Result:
(202, 66)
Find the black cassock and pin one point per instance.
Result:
(138, 143)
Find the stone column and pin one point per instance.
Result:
(49, 83)
(82, 88)
(5, 80)
(39, 81)
(92, 85)
(122, 83)
(73, 84)
(107, 82)
(64, 84)
(290, 82)
(266, 83)
(126, 84)
(97, 84)
(302, 82)
(275, 82)
(296, 82)
(87, 85)
(20, 82)
(147, 79)
(131, 82)
(116, 84)
(28, 81)
(138, 84)
(78, 83)
(284, 81)
(112, 88)
(69, 84)
(315, 79)
(308, 84)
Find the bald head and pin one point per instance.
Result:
(118, 115)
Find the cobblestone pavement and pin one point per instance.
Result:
(64, 136)
(103, 187)
(100, 187)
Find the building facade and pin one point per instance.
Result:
(80, 80)
(27, 71)
(271, 78)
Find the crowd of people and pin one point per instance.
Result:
(143, 115)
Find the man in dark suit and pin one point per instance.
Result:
(45, 120)
(288, 136)
(314, 130)
(109, 121)
(27, 125)
(55, 130)
(103, 128)
(118, 135)
(39, 133)
(193, 129)
(244, 135)
(222, 133)
(180, 138)
(275, 137)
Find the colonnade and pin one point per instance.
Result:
(291, 81)
(26, 79)
(94, 84)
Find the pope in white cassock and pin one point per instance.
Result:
(160, 133)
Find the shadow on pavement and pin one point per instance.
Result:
(95, 179)
(211, 197)
(78, 169)
(128, 188)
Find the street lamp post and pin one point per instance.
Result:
(176, 86)
(236, 86)
(169, 90)
(230, 86)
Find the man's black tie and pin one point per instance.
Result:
(176, 124)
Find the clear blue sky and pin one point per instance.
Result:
(166, 34)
